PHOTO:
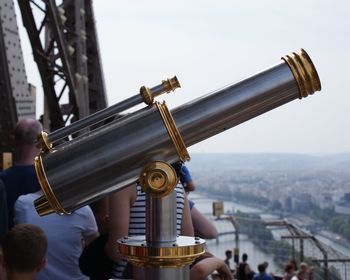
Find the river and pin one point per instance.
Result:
(255, 255)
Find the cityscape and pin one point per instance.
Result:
(308, 192)
(301, 187)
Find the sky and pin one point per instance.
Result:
(209, 44)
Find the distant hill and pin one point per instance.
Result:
(269, 161)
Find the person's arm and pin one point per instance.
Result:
(247, 269)
(202, 226)
(119, 214)
(100, 209)
(20, 211)
(186, 227)
(186, 179)
(207, 266)
(89, 226)
(190, 186)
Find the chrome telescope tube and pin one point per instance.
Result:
(294, 77)
(112, 157)
(109, 158)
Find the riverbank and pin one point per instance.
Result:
(227, 242)
(204, 203)
(329, 238)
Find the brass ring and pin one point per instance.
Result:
(43, 139)
(41, 204)
(304, 72)
(173, 131)
(182, 252)
(146, 95)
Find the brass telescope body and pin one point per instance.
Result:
(112, 157)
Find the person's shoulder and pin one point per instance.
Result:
(24, 203)
(84, 211)
(5, 172)
(15, 171)
(27, 198)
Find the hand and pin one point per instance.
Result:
(224, 272)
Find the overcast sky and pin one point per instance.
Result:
(209, 44)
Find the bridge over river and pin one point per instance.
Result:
(319, 250)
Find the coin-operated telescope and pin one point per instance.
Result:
(140, 146)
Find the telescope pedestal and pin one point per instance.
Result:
(162, 254)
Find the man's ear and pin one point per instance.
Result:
(42, 265)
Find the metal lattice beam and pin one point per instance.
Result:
(86, 60)
(67, 56)
(97, 88)
(51, 57)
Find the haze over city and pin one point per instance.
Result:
(210, 44)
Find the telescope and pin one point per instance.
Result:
(140, 146)
(112, 157)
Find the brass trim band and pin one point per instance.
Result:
(183, 252)
(173, 131)
(304, 72)
(48, 203)
(43, 139)
(146, 95)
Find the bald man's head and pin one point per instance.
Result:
(26, 131)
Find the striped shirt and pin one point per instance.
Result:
(137, 224)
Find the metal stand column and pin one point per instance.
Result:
(161, 232)
(162, 254)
